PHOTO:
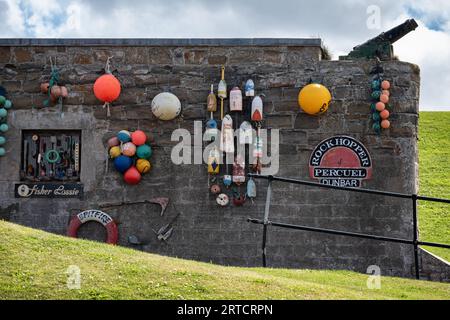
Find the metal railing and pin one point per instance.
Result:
(414, 198)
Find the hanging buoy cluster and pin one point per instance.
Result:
(56, 92)
(228, 189)
(379, 107)
(5, 105)
(314, 99)
(107, 88)
(131, 154)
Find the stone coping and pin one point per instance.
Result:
(217, 42)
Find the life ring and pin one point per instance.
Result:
(52, 156)
(97, 216)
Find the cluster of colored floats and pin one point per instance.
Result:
(55, 91)
(313, 99)
(379, 107)
(131, 153)
(228, 188)
(5, 105)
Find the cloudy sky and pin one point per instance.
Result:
(340, 23)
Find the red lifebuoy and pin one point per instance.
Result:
(97, 216)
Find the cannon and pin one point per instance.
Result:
(381, 46)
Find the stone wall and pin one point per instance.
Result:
(433, 267)
(204, 231)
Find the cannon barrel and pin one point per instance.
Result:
(381, 45)
(399, 31)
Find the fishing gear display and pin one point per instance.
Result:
(238, 118)
(51, 155)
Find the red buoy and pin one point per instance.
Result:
(132, 176)
(139, 137)
(107, 88)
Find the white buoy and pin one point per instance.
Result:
(166, 106)
(236, 99)
(249, 88)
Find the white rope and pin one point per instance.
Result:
(108, 64)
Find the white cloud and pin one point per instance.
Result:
(431, 51)
(13, 20)
(341, 24)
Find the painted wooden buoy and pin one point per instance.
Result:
(236, 99)
(249, 88)
(257, 109)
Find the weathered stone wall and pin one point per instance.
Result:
(204, 231)
(433, 267)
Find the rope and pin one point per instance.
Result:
(108, 65)
(54, 79)
(108, 71)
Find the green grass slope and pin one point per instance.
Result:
(33, 265)
(434, 178)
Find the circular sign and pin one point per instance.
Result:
(340, 161)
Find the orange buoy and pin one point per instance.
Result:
(384, 98)
(386, 92)
(384, 114)
(380, 106)
(64, 92)
(44, 87)
(385, 124)
(385, 85)
(107, 88)
(55, 91)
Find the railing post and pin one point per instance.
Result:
(415, 236)
(266, 220)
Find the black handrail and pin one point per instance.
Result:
(415, 241)
(360, 190)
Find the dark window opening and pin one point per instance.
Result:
(51, 155)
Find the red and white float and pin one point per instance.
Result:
(96, 216)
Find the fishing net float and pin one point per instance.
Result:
(314, 99)
(107, 88)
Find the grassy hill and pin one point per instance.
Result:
(434, 178)
(33, 265)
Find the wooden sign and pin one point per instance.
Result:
(340, 161)
(48, 190)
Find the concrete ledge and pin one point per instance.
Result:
(290, 42)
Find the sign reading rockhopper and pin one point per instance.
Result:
(48, 190)
(340, 161)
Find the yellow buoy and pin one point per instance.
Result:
(314, 99)
(143, 165)
(114, 152)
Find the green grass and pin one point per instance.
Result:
(434, 179)
(33, 265)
